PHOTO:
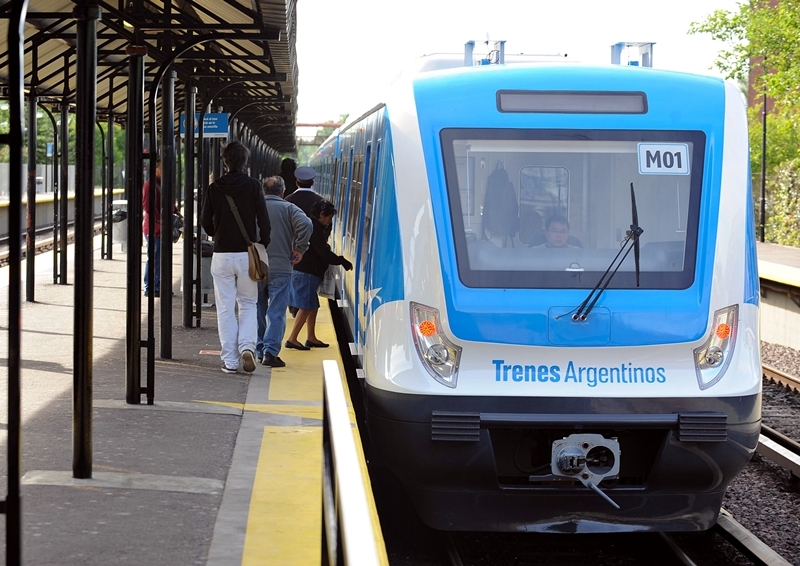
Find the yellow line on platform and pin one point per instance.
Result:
(239, 406)
(290, 410)
(284, 525)
(301, 379)
(305, 411)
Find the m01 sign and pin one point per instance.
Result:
(663, 158)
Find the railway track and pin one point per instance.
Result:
(44, 242)
(781, 378)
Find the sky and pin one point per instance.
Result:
(348, 51)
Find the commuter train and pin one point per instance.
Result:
(553, 310)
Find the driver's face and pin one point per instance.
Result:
(557, 235)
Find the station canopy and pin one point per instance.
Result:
(241, 53)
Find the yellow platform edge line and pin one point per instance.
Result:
(276, 483)
(284, 524)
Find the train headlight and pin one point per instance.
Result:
(438, 354)
(711, 360)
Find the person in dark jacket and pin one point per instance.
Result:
(288, 167)
(230, 263)
(308, 274)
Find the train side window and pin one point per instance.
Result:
(366, 233)
(354, 207)
(343, 191)
(334, 179)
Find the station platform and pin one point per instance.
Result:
(778, 263)
(779, 277)
(221, 470)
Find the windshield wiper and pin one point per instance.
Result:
(631, 241)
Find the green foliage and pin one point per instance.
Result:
(761, 42)
(783, 137)
(783, 207)
(44, 135)
(758, 37)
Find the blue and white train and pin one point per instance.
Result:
(612, 384)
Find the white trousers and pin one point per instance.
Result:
(232, 287)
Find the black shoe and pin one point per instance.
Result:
(311, 344)
(157, 294)
(248, 361)
(272, 361)
(297, 346)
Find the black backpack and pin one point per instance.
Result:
(500, 207)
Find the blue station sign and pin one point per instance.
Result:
(215, 125)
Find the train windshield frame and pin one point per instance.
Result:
(550, 209)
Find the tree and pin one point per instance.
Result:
(761, 41)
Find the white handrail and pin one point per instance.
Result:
(362, 543)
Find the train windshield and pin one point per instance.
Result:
(551, 208)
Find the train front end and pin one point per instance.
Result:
(577, 345)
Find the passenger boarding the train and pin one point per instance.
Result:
(556, 232)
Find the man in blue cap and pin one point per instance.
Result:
(304, 197)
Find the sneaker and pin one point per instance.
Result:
(248, 361)
(272, 361)
(226, 369)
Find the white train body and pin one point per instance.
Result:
(494, 405)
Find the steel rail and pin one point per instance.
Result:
(780, 377)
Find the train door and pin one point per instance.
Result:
(339, 219)
(335, 191)
(353, 206)
(364, 257)
(359, 214)
(352, 212)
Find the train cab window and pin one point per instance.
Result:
(551, 209)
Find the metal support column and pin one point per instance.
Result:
(55, 191)
(167, 202)
(12, 505)
(133, 167)
(188, 209)
(103, 158)
(109, 211)
(87, 16)
(30, 217)
(63, 204)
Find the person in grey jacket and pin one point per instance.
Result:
(290, 233)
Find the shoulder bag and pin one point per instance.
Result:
(256, 252)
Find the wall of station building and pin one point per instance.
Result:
(780, 319)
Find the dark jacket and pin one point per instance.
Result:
(319, 255)
(304, 198)
(218, 220)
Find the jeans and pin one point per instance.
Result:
(232, 287)
(272, 302)
(157, 262)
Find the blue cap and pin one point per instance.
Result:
(304, 174)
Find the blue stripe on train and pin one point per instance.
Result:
(385, 279)
(751, 283)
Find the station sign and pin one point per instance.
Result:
(215, 125)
